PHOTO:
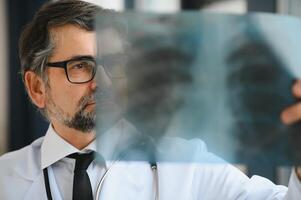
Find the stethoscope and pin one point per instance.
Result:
(154, 169)
(50, 179)
(100, 184)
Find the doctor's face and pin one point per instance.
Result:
(70, 104)
(74, 104)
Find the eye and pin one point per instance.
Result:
(81, 65)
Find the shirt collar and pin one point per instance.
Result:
(54, 148)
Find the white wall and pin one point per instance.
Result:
(161, 6)
(233, 6)
(111, 4)
(3, 79)
(289, 7)
(142, 5)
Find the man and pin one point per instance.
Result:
(57, 52)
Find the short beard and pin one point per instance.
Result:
(82, 121)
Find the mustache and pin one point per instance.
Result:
(85, 100)
(103, 95)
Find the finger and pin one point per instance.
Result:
(296, 89)
(291, 114)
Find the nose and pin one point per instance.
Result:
(93, 84)
(101, 79)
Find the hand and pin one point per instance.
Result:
(298, 172)
(292, 114)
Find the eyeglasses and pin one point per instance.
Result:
(83, 69)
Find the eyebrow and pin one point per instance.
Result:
(78, 57)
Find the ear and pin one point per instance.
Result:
(36, 88)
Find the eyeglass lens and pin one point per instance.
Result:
(80, 71)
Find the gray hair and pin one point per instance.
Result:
(36, 43)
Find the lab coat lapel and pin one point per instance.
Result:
(37, 189)
(32, 171)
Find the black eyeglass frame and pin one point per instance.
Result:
(64, 64)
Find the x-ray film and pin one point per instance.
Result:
(197, 87)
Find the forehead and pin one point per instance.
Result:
(70, 41)
(109, 41)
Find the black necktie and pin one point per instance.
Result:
(82, 189)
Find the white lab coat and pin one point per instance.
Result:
(21, 177)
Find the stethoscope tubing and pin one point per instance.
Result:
(154, 169)
(101, 182)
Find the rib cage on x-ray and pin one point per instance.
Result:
(222, 78)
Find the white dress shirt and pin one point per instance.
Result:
(21, 175)
(54, 150)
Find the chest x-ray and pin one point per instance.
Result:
(190, 79)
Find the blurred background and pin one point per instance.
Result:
(20, 123)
